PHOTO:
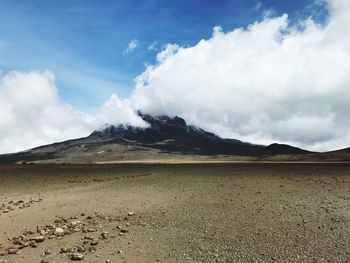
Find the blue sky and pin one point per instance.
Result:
(83, 42)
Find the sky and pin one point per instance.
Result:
(260, 71)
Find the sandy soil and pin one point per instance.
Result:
(183, 212)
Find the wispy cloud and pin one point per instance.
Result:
(258, 5)
(131, 47)
(153, 46)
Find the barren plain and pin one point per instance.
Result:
(226, 212)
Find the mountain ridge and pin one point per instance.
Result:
(164, 136)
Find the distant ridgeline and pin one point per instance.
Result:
(166, 134)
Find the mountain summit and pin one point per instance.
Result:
(174, 135)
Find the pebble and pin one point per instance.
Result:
(59, 231)
(81, 249)
(12, 251)
(76, 256)
(47, 252)
(38, 239)
(131, 213)
(94, 242)
(105, 235)
(64, 250)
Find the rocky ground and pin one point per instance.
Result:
(175, 213)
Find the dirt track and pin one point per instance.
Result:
(183, 213)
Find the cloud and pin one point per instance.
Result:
(269, 82)
(258, 6)
(32, 114)
(131, 47)
(168, 51)
(153, 45)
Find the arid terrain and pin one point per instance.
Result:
(240, 212)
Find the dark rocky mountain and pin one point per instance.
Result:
(164, 134)
(174, 135)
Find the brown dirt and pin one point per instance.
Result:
(261, 212)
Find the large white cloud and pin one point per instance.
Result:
(31, 113)
(269, 82)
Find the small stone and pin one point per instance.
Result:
(81, 249)
(38, 239)
(12, 251)
(44, 261)
(76, 256)
(64, 250)
(105, 235)
(59, 231)
(94, 242)
(47, 252)
(5, 211)
(131, 213)
(120, 252)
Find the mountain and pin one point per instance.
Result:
(163, 136)
(174, 135)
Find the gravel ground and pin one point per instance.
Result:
(175, 213)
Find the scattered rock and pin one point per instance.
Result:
(64, 250)
(12, 251)
(47, 252)
(131, 213)
(76, 256)
(105, 235)
(94, 242)
(91, 230)
(59, 231)
(38, 239)
(81, 249)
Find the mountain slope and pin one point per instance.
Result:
(163, 136)
(174, 135)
